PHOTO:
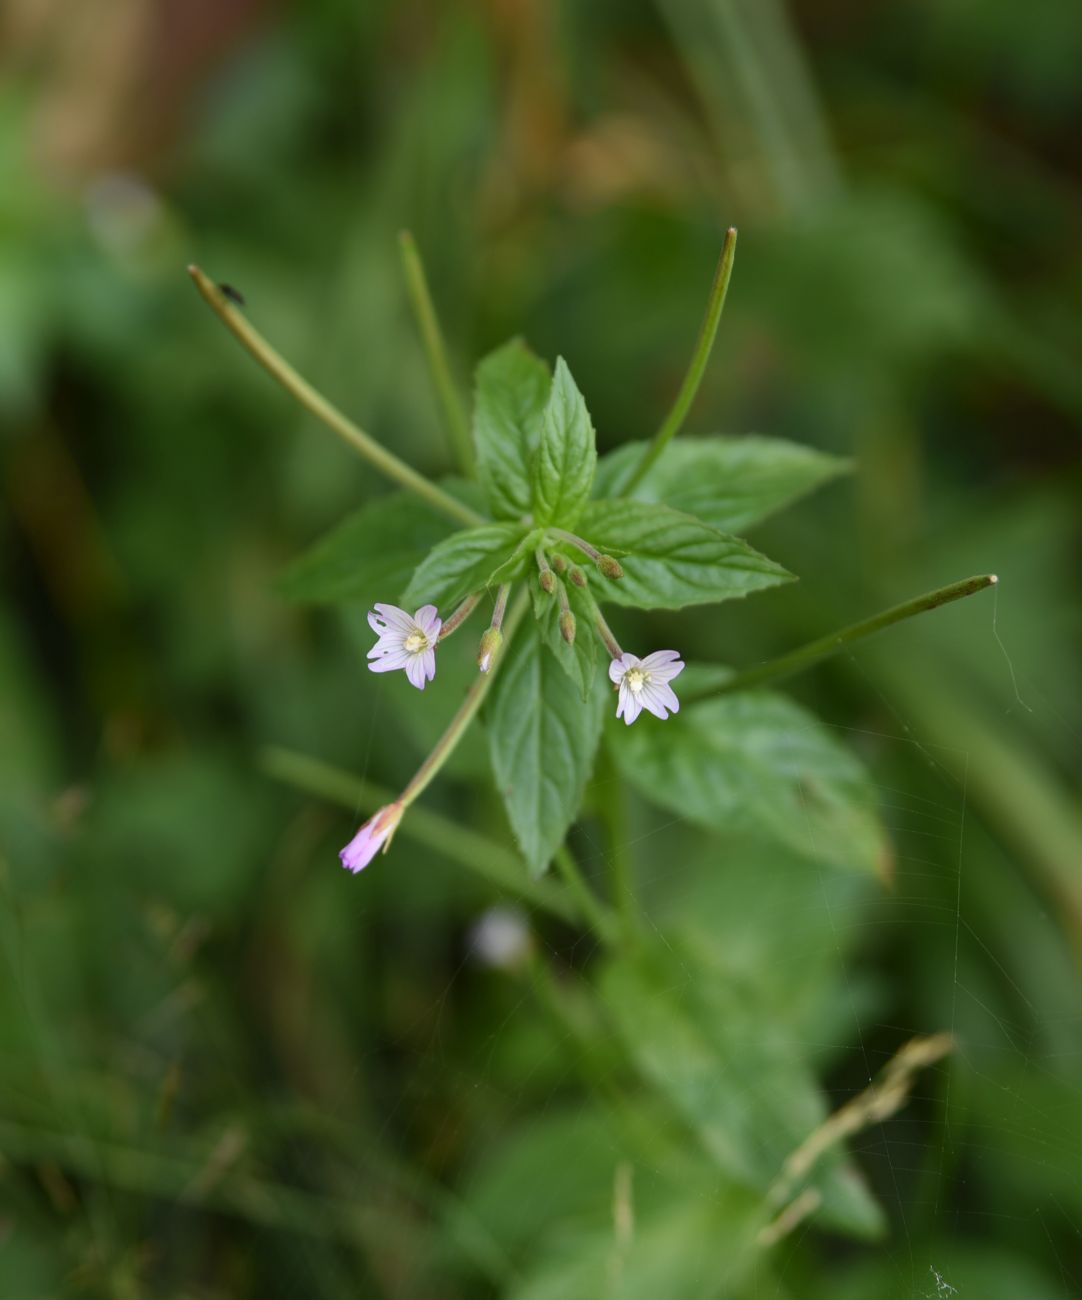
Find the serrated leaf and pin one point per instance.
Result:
(730, 483)
(755, 761)
(370, 555)
(542, 739)
(671, 559)
(511, 389)
(735, 1077)
(563, 470)
(463, 563)
(579, 660)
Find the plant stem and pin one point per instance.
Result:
(456, 728)
(803, 657)
(605, 632)
(500, 607)
(591, 908)
(454, 412)
(591, 552)
(703, 345)
(460, 615)
(498, 865)
(280, 369)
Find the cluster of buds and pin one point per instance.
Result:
(551, 574)
(410, 641)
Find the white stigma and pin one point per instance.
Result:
(636, 680)
(415, 642)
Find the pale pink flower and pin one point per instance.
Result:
(405, 641)
(375, 834)
(644, 684)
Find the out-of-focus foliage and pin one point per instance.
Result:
(230, 1069)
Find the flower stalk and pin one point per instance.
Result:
(673, 422)
(460, 615)
(546, 579)
(493, 637)
(567, 619)
(605, 563)
(312, 400)
(796, 661)
(608, 637)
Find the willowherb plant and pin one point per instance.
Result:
(550, 534)
(555, 534)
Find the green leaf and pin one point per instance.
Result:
(542, 738)
(729, 483)
(465, 562)
(579, 661)
(370, 555)
(511, 388)
(734, 1076)
(566, 455)
(672, 559)
(755, 761)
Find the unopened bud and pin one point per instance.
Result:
(559, 563)
(609, 567)
(567, 626)
(490, 646)
(577, 576)
(547, 579)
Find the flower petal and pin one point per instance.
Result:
(361, 849)
(415, 671)
(428, 663)
(428, 620)
(659, 699)
(394, 617)
(664, 664)
(618, 667)
(630, 705)
(389, 662)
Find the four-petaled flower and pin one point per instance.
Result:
(374, 834)
(644, 684)
(405, 641)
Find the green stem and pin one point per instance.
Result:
(280, 369)
(500, 607)
(601, 627)
(454, 412)
(703, 345)
(803, 657)
(594, 911)
(456, 728)
(492, 861)
(591, 552)
(460, 615)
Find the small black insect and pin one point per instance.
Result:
(234, 295)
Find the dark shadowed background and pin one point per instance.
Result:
(229, 1069)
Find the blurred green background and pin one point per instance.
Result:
(229, 1069)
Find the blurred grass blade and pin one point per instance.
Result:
(454, 413)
